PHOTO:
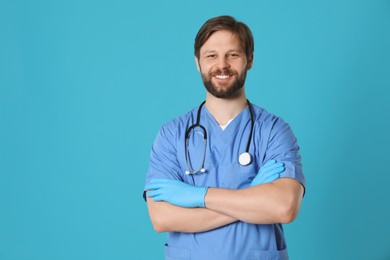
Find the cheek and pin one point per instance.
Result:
(205, 65)
(206, 70)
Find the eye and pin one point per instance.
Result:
(233, 55)
(211, 56)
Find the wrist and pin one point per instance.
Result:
(203, 193)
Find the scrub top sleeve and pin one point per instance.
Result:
(283, 147)
(163, 161)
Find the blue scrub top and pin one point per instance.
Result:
(272, 139)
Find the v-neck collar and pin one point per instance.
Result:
(233, 125)
(223, 127)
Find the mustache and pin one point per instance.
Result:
(219, 72)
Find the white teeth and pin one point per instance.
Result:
(222, 76)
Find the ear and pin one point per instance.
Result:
(197, 63)
(250, 62)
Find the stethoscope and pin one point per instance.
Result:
(244, 159)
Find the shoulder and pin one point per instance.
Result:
(267, 120)
(175, 126)
(272, 127)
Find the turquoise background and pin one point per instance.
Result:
(85, 86)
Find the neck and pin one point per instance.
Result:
(224, 110)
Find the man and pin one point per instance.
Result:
(233, 204)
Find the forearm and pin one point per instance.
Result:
(276, 202)
(170, 218)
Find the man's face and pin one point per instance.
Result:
(223, 64)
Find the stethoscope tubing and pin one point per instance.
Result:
(197, 124)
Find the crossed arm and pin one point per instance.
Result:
(170, 218)
(268, 201)
(276, 202)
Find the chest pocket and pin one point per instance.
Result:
(236, 176)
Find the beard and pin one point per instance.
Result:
(226, 91)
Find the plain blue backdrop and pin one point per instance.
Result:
(85, 86)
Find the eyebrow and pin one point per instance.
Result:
(207, 51)
(213, 51)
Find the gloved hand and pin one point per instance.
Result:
(176, 192)
(269, 172)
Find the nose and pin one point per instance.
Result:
(222, 63)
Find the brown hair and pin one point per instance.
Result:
(225, 23)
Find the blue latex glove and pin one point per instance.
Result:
(176, 192)
(269, 172)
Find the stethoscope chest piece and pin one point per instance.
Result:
(245, 159)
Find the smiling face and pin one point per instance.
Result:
(223, 64)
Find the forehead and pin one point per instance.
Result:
(221, 40)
